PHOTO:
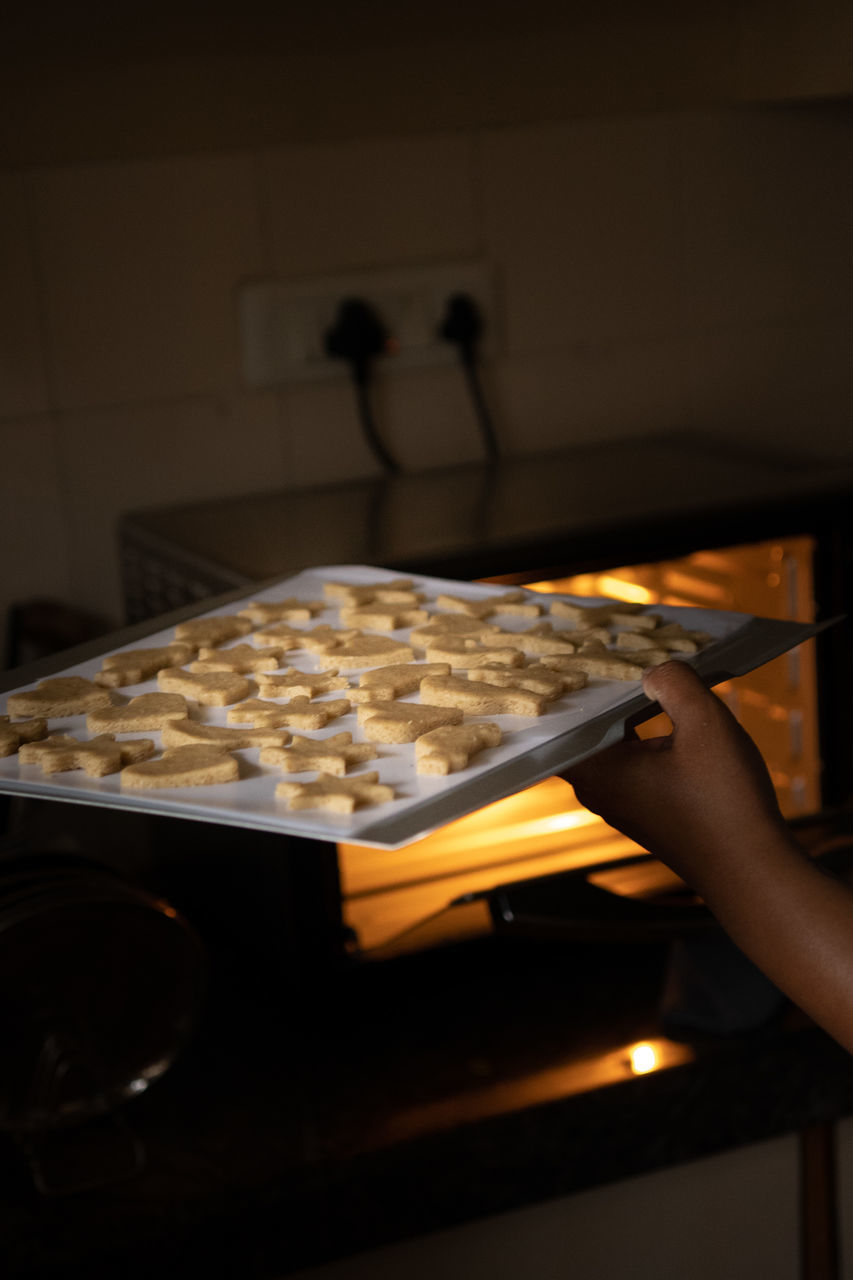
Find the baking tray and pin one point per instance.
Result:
(574, 727)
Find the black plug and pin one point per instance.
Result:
(359, 336)
(463, 327)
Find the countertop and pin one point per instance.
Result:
(388, 1099)
(585, 505)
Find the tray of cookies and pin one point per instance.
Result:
(350, 703)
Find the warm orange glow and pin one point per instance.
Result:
(611, 585)
(643, 1058)
(501, 1097)
(543, 830)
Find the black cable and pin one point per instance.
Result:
(463, 327)
(361, 380)
(359, 336)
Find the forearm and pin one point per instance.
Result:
(792, 920)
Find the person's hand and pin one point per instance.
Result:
(686, 797)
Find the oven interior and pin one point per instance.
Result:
(444, 887)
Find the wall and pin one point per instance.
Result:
(658, 269)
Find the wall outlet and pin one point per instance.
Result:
(283, 324)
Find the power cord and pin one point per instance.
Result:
(463, 327)
(359, 337)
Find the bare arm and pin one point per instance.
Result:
(701, 800)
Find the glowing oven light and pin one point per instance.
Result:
(619, 589)
(642, 1058)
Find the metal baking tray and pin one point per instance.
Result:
(574, 727)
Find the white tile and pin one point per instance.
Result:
(120, 460)
(742, 196)
(33, 544)
(323, 441)
(140, 263)
(23, 387)
(430, 417)
(783, 386)
(591, 392)
(368, 203)
(423, 417)
(822, 146)
(581, 221)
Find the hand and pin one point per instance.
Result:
(696, 794)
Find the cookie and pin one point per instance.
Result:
(590, 615)
(331, 755)
(142, 714)
(135, 666)
(98, 757)
(366, 651)
(245, 659)
(212, 632)
(281, 637)
(299, 713)
(450, 748)
(512, 602)
(263, 612)
(601, 664)
(193, 766)
(462, 653)
(541, 638)
(537, 678)
(442, 625)
(293, 683)
(314, 639)
(58, 696)
(403, 721)
(480, 699)
(210, 688)
(337, 795)
(182, 733)
(644, 655)
(396, 591)
(672, 637)
(621, 621)
(383, 684)
(13, 735)
(383, 617)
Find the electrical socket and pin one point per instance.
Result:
(283, 324)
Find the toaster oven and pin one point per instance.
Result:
(656, 523)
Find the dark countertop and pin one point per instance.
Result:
(585, 505)
(390, 1099)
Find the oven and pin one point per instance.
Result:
(708, 530)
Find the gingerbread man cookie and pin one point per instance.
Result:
(331, 755)
(299, 713)
(337, 795)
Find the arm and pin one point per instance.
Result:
(701, 800)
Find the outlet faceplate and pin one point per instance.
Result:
(283, 324)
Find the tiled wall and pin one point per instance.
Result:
(656, 272)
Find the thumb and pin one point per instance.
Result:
(681, 694)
